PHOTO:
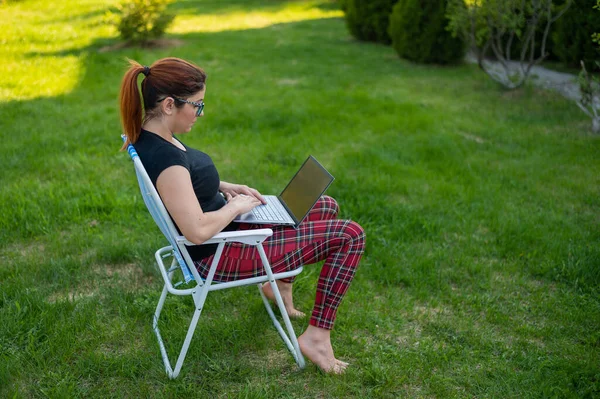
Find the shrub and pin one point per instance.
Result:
(369, 19)
(418, 32)
(596, 35)
(143, 20)
(589, 87)
(572, 38)
(343, 5)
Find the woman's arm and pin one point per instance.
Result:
(237, 189)
(174, 185)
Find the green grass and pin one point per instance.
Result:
(481, 276)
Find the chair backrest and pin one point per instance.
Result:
(158, 211)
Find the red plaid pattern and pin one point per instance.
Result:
(320, 236)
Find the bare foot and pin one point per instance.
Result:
(285, 289)
(316, 346)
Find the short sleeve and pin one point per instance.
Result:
(161, 158)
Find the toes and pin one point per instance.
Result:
(337, 368)
(296, 314)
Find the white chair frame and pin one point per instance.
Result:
(182, 260)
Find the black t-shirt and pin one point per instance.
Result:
(157, 154)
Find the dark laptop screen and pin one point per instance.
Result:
(303, 191)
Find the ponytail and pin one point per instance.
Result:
(131, 104)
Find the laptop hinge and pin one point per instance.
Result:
(282, 202)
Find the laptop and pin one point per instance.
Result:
(296, 199)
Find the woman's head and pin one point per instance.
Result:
(171, 78)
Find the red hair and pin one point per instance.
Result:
(166, 77)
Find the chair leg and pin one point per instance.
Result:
(173, 373)
(199, 296)
(289, 339)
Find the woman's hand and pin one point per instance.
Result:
(235, 190)
(244, 203)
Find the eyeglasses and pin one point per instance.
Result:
(199, 106)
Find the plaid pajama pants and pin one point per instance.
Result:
(319, 237)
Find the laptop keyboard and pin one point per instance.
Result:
(269, 211)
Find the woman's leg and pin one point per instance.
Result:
(326, 208)
(285, 290)
(339, 242)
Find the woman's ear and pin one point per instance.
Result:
(168, 105)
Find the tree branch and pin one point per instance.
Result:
(585, 110)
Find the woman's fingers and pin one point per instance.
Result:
(251, 192)
(250, 203)
(246, 202)
(258, 196)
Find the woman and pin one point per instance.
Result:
(173, 93)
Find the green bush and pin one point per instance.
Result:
(418, 32)
(572, 37)
(596, 35)
(143, 20)
(342, 4)
(369, 19)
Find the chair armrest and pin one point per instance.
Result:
(250, 237)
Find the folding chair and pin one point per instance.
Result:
(182, 260)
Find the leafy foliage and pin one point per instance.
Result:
(495, 27)
(143, 20)
(573, 35)
(589, 86)
(369, 19)
(418, 32)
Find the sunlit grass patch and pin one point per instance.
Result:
(40, 46)
(285, 12)
(43, 54)
(38, 76)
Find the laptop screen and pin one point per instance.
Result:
(305, 188)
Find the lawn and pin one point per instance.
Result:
(481, 206)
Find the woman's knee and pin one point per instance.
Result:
(330, 204)
(354, 231)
